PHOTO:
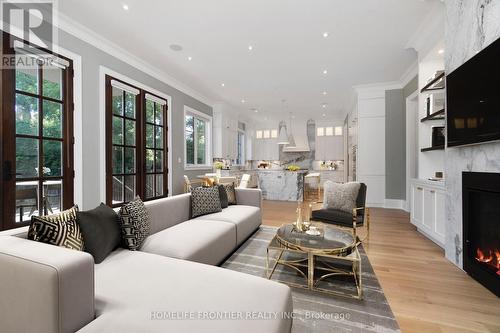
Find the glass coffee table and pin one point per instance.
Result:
(315, 260)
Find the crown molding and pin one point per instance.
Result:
(89, 36)
(430, 31)
(409, 74)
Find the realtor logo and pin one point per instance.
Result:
(30, 20)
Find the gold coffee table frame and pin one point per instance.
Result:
(313, 262)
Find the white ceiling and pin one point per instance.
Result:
(366, 44)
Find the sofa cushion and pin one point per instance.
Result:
(246, 219)
(135, 223)
(101, 231)
(58, 229)
(167, 212)
(205, 200)
(208, 242)
(159, 286)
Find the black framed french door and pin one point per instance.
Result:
(36, 135)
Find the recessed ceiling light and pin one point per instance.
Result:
(222, 85)
(242, 101)
(441, 51)
(250, 47)
(175, 47)
(125, 6)
(255, 110)
(325, 34)
(324, 114)
(190, 58)
(324, 92)
(325, 71)
(324, 105)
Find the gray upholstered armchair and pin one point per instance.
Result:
(360, 215)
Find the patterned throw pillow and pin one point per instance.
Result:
(58, 229)
(231, 194)
(135, 223)
(205, 200)
(340, 196)
(223, 196)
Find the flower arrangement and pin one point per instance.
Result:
(218, 165)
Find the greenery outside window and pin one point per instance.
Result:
(197, 130)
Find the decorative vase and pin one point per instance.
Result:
(218, 172)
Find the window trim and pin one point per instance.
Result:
(208, 149)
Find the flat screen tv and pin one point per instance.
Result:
(473, 99)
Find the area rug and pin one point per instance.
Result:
(317, 312)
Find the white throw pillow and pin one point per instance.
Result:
(340, 196)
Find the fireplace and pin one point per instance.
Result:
(481, 228)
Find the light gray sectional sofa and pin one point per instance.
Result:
(170, 285)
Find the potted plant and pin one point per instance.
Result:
(218, 167)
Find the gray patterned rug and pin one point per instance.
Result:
(316, 312)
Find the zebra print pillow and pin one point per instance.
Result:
(58, 229)
(135, 224)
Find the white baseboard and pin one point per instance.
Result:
(394, 203)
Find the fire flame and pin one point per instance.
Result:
(489, 257)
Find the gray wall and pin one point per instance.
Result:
(92, 58)
(395, 140)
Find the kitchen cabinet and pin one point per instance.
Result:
(265, 149)
(427, 209)
(329, 148)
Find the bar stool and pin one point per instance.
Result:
(312, 188)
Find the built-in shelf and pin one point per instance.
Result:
(438, 115)
(432, 148)
(435, 84)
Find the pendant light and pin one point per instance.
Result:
(283, 136)
(291, 139)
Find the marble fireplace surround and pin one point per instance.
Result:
(471, 25)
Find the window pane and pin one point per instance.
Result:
(52, 119)
(129, 188)
(26, 158)
(117, 101)
(117, 159)
(158, 114)
(150, 156)
(52, 82)
(52, 193)
(129, 160)
(150, 136)
(130, 132)
(159, 161)
(129, 105)
(26, 200)
(117, 189)
(149, 186)
(189, 140)
(159, 137)
(159, 185)
(200, 144)
(27, 79)
(150, 111)
(52, 158)
(26, 115)
(117, 130)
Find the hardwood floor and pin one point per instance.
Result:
(427, 293)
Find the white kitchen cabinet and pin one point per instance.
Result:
(427, 209)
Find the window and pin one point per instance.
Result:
(136, 143)
(197, 139)
(37, 134)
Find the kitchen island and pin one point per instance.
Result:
(282, 185)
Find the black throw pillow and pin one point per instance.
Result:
(205, 200)
(101, 232)
(223, 196)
